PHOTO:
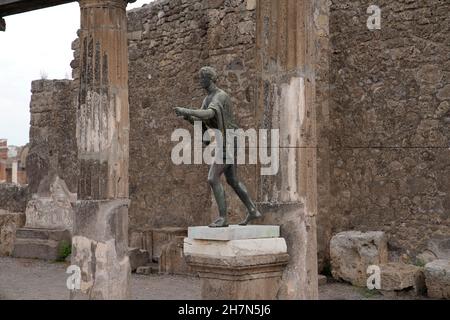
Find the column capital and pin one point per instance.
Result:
(104, 3)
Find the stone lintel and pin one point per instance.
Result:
(234, 232)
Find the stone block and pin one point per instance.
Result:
(437, 278)
(9, 223)
(172, 259)
(163, 236)
(352, 252)
(100, 249)
(239, 278)
(142, 239)
(138, 258)
(144, 270)
(234, 232)
(396, 277)
(39, 243)
(53, 211)
(244, 269)
(136, 239)
(153, 268)
(322, 280)
(251, 4)
(437, 249)
(235, 248)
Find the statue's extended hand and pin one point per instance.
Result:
(181, 112)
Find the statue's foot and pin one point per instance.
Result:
(252, 215)
(219, 223)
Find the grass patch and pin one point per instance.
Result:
(420, 263)
(64, 250)
(368, 294)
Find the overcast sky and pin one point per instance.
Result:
(34, 43)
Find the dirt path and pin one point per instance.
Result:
(38, 280)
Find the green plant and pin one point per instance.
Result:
(420, 263)
(368, 294)
(326, 270)
(64, 250)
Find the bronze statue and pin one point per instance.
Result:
(216, 113)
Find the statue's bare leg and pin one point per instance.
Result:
(241, 191)
(215, 172)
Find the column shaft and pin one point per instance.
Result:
(286, 38)
(103, 112)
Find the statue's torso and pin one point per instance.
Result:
(222, 101)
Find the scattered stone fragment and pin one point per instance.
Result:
(322, 280)
(138, 258)
(353, 251)
(397, 277)
(437, 278)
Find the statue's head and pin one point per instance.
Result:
(208, 75)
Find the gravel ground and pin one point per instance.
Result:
(39, 280)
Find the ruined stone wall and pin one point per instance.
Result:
(169, 42)
(13, 198)
(389, 133)
(53, 149)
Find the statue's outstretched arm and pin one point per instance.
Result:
(199, 114)
(202, 114)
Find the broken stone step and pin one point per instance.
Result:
(36, 249)
(43, 234)
(138, 258)
(152, 268)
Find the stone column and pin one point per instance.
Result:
(286, 101)
(15, 167)
(100, 240)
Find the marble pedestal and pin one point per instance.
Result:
(237, 263)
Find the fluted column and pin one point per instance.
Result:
(286, 37)
(103, 112)
(100, 239)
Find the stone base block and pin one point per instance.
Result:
(234, 232)
(152, 268)
(244, 269)
(235, 248)
(172, 259)
(163, 236)
(9, 223)
(239, 278)
(437, 278)
(396, 277)
(38, 243)
(138, 258)
(100, 249)
(352, 252)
